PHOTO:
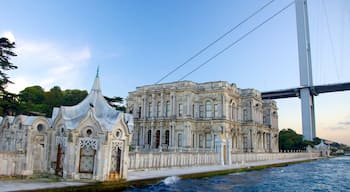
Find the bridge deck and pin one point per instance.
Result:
(315, 90)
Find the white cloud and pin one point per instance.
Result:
(9, 35)
(47, 64)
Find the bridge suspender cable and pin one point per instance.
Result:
(215, 41)
(238, 40)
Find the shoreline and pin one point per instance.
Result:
(145, 177)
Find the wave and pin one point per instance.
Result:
(171, 180)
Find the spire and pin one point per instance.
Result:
(96, 86)
(98, 71)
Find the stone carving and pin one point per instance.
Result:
(117, 144)
(61, 141)
(88, 142)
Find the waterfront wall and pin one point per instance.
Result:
(12, 163)
(158, 160)
(253, 157)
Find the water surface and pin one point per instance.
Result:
(321, 175)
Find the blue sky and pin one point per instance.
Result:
(136, 42)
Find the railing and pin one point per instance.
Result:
(253, 157)
(158, 160)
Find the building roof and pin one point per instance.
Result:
(105, 115)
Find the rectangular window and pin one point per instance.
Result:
(139, 112)
(214, 140)
(158, 109)
(149, 137)
(167, 109)
(179, 140)
(150, 110)
(245, 114)
(201, 111)
(87, 158)
(208, 109)
(216, 110)
(180, 110)
(167, 137)
(193, 110)
(208, 140)
(200, 141)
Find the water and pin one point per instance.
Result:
(322, 175)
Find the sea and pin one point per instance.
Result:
(332, 174)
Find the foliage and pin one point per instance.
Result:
(8, 104)
(5, 55)
(34, 100)
(290, 140)
(116, 102)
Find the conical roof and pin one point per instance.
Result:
(105, 115)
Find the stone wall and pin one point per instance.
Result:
(252, 157)
(158, 160)
(12, 163)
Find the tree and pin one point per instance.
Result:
(290, 140)
(116, 102)
(73, 97)
(8, 101)
(5, 55)
(32, 101)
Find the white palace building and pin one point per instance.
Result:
(189, 116)
(180, 124)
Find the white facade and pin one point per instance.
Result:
(87, 141)
(189, 116)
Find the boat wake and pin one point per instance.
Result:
(171, 180)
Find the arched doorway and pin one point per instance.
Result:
(59, 160)
(116, 161)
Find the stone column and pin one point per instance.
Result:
(144, 106)
(162, 105)
(153, 134)
(153, 109)
(223, 107)
(228, 152)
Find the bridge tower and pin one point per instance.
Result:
(305, 70)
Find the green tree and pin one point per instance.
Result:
(32, 101)
(116, 102)
(8, 101)
(290, 140)
(34, 94)
(73, 97)
(5, 55)
(53, 98)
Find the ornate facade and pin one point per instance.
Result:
(201, 116)
(87, 141)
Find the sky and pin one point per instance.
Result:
(136, 43)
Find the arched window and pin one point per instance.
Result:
(208, 109)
